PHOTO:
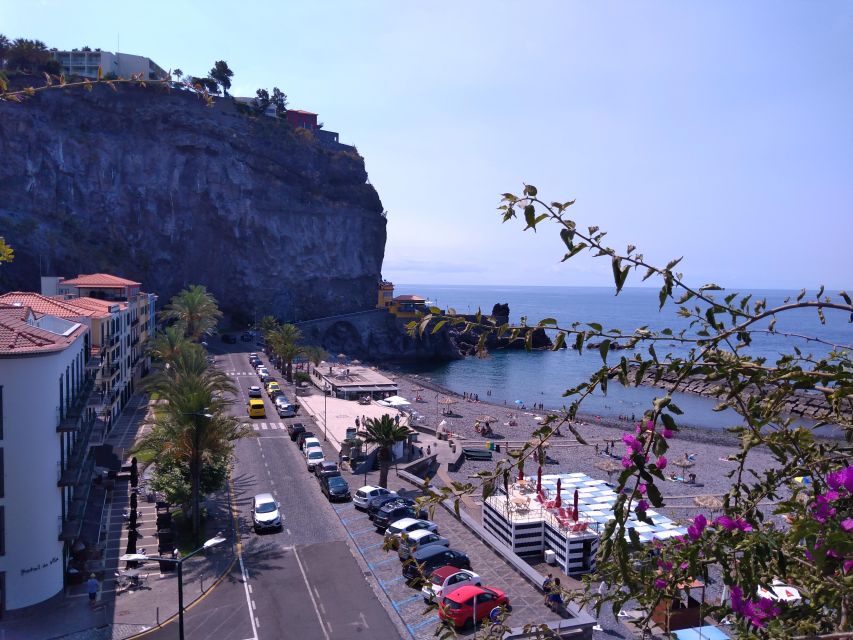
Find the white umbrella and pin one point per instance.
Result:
(133, 557)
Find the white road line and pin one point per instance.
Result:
(313, 601)
(257, 623)
(250, 588)
(288, 532)
(254, 619)
(254, 606)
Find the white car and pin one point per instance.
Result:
(408, 525)
(308, 443)
(363, 496)
(445, 580)
(265, 513)
(313, 457)
(418, 540)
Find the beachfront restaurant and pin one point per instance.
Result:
(538, 516)
(352, 381)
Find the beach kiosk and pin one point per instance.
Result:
(684, 612)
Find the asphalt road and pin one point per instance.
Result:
(302, 583)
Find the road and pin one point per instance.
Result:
(302, 583)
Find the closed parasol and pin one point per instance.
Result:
(712, 503)
(558, 502)
(608, 466)
(575, 508)
(538, 479)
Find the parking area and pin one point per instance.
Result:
(527, 602)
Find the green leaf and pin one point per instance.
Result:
(559, 341)
(603, 348)
(802, 295)
(567, 235)
(530, 216)
(594, 326)
(654, 495)
(438, 325)
(530, 190)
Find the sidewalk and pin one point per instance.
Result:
(116, 616)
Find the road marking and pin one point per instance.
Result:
(254, 607)
(288, 532)
(399, 603)
(373, 565)
(257, 623)
(433, 618)
(253, 619)
(250, 588)
(313, 601)
(371, 546)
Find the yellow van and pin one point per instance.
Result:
(256, 408)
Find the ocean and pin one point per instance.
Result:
(543, 376)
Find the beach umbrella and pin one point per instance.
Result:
(559, 500)
(487, 418)
(609, 467)
(575, 509)
(684, 463)
(519, 402)
(712, 503)
(538, 479)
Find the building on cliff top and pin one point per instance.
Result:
(406, 307)
(125, 65)
(45, 461)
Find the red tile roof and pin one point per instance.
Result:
(409, 298)
(99, 308)
(17, 336)
(43, 304)
(307, 113)
(101, 280)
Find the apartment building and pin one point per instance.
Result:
(44, 435)
(125, 65)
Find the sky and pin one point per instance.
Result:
(717, 131)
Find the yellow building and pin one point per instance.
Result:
(407, 307)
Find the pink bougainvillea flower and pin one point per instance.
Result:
(695, 530)
(661, 463)
(847, 524)
(641, 489)
(632, 443)
(660, 584)
(731, 524)
(841, 478)
(821, 509)
(626, 462)
(666, 433)
(848, 566)
(642, 506)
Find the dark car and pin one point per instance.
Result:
(375, 504)
(432, 557)
(293, 430)
(326, 469)
(228, 338)
(335, 488)
(247, 337)
(393, 512)
(300, 439)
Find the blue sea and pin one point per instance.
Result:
(543, 376)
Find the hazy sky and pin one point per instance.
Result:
(721, 131)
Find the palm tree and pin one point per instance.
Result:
(196, 308)
(284, 341)
(191, 425)
(167, 344)
(384, 432)
(315, 354)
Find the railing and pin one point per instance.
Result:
(73, 415)
(74, 464)
(77, 509)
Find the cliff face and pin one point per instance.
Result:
(159, 188)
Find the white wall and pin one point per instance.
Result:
(33, 560)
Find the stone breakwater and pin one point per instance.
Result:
(809, 405)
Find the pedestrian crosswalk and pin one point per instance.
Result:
(265, 426)
(241, 373)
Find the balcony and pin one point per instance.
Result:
(134, 322)
(94, 362)
(134, 342)
(73, 417)
(75, 465)
(73, 523)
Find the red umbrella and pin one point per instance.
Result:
(538, 479)
(559, 501)
(520, 471)
(575, 510)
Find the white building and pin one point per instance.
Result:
(44, 433)
(125, 65)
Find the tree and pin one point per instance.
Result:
(262, 100)
(27, 55)
(178, 74)
(168, 343)
(222, 75)
(6, 252)
(191, 425)
(279, 99)
(196, 308)
(384, 432)
(267, 325)
(285, 343)
(743, 546)
(4, 50)
(204, 84)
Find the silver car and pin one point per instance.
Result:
(418, 540)
(265, 512)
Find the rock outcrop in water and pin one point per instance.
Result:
(159, 188)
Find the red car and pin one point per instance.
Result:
(463, 605)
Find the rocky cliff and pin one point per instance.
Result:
(159, 188)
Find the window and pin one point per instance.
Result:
(2, 475)
(2, 531)
(1, 412)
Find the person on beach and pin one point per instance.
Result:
(92, 589)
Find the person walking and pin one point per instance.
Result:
(92, 587)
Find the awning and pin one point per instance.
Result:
(701, 633)
(396, 401)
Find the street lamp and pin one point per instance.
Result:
(326, 388)
(216, 540)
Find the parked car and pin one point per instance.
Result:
(285, 409)
(265, 512)
(272, 385)
(254, 391)
(295, 429)
(302, 436)
(373, 509)
(446, 579)
(366, 493)
(378, 502)
(418, 540)
(470, 604)
(408, 525)
(335, 488)
(255, 408)
(328, 468)
(430, 558)
(264, 374)
(227, 338)
(393, 512)
(247, 337)
(309, 442)
(313, 457)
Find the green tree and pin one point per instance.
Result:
(744, 545)
(168, 343)
(279, 99)
(4, 50)
(267, 325)
(196, 308)
(222, 75)
(191, 425)
(285, 342)
(6, 252)
(178, 74)
(27, 55)
(384, 432)
(315, 354)
(262, 101)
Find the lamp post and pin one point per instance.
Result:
(325, 397)
(216, 540)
